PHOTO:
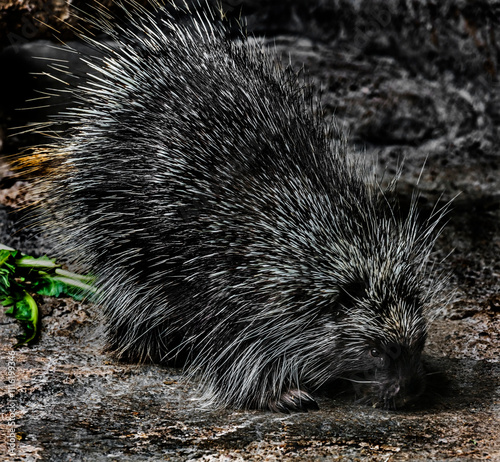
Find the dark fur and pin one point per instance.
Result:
(227, 228)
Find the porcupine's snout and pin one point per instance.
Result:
(397, 380)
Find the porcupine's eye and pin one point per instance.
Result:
(378, 357)
(375, 353)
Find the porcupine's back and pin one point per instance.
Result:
(225, 228)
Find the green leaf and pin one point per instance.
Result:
(53, 287)
(8, 301)
(64, 283)
(40, 263)
(5, 255)
(87, 279)
(21, 274)
(25, 310)
(7, 272)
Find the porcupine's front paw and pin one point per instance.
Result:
(294, 400)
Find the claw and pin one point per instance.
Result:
(294, 400)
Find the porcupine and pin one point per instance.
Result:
(228, 230)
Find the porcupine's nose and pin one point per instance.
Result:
(402, 392)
